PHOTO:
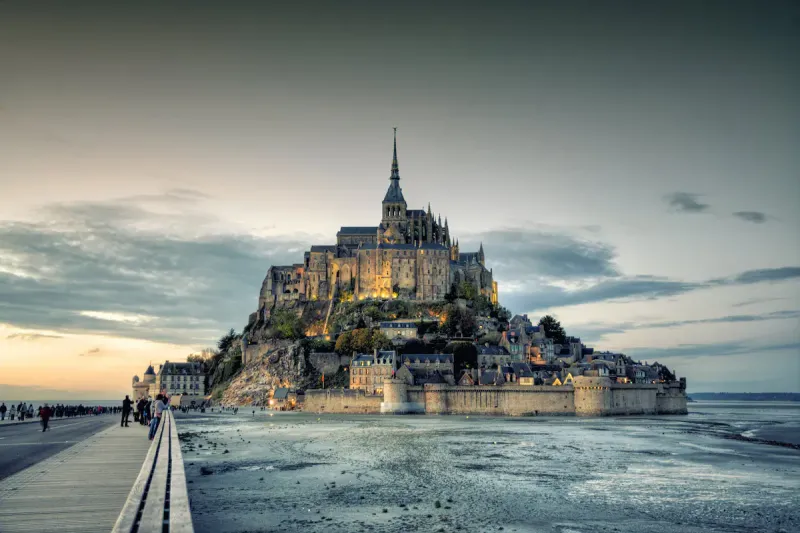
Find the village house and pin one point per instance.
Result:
(399, 329)
(489, 356)
(367, 372)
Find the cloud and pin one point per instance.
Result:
(755, 217)
(94, 352)
(766, 274)
(32, 336)
(594, 331)
(544, 268)
(119, 268)
(753, 301)
(713, 349)
(524, 253)
(684, 202)
(617, 289)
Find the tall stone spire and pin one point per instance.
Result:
(395, 168)
(395, 194)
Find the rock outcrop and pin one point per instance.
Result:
(282, 363)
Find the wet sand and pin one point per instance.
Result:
(331, 473)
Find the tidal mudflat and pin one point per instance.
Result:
(334, 473)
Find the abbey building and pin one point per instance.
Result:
(409, 255)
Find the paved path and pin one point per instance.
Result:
(23, 445)
(81, 489)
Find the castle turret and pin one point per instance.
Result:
(481, 255)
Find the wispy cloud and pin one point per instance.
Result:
(594, 331)
(93, 352)
(684, 202)
(32, 336)
(756, 217)
(712, 349)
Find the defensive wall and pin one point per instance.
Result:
(341, 401)
(589, 396)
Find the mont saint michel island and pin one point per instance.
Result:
(397, 318)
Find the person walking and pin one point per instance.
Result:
(3, 410)
(45, 413)
(126, 411)
(158, 410)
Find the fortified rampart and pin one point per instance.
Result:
(341, 401)
(590, 396)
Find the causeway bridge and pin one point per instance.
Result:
(114, 480)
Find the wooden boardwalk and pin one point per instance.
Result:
(81, 489)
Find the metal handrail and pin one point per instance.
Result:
(159, 501)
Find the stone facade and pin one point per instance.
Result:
(409, 255)
(367, 372)
(175, 379)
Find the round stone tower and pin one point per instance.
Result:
(593, 396)
(395, 396)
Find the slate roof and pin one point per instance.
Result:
(394, 193)
(423, 246)
(422, 376)
(399, 325)
(520, 367)
(358, 230)
(281, 394)
(415, 212)
(188, 369)
(468, 257)
(490, 377)
(429, 357)
(363, 358)
(491, 350)
(322, 248)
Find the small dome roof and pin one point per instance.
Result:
(136, 379)
(150, 371)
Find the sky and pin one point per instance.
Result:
(631, 168)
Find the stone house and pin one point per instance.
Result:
(399, 329)
(367, 372)
(441, 362)
(185, 379)
(490, 356)
(491, 377)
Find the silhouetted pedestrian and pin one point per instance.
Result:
(126, 411)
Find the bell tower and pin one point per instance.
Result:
(394, 205)
(394, 219)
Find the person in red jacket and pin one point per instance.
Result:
(45, 415)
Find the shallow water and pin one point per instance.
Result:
(331, 473)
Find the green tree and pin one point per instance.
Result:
(344, 343)
(552, 329)
(465, 355)
(415, 346)
(459, 322)
(286, 325)
(226, 341)
(380, 341)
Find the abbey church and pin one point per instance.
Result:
(409, 255)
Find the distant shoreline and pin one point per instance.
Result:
(747, 396)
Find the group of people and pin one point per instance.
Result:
(45, 412)
(146, 411)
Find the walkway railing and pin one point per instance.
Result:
(158, 501)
